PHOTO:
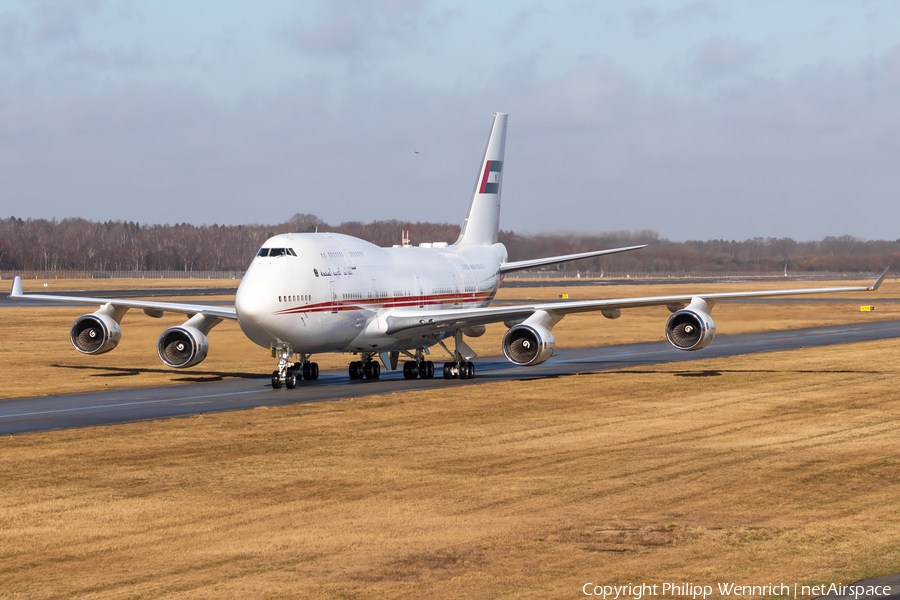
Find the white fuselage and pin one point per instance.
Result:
(329, 292)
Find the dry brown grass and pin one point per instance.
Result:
(756, 469)
(39, 358)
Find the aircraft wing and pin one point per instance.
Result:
(154, 309)
(521, 265)
(426, 322)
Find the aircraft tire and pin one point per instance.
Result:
(448, 370)
(313, 371)
(372, 370)
(356, 369)
(290, 379)
(276, 380)
(426, 370)
(410, 370)
(470, 370)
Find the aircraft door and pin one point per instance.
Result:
(456, 290)
(334, 300)
(420, 291)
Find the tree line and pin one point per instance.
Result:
(79, 244)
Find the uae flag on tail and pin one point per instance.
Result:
(490, 181)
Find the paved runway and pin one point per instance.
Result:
(104, 408)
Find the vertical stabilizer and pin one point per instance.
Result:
(483, 219)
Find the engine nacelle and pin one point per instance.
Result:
(527, 344)
(690, 329)
(182, 346)
(95, 333)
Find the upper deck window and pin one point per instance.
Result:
(276, 252)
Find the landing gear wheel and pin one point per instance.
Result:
(464, 370)
(356, 370)
(448, 370)
(290, 379)
(311, 371)
(410, 370)
(276, 380)
(372, 370)
(426, 369)
(470, 370)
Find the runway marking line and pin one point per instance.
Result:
(96, 406)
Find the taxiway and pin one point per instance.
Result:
(106, 408)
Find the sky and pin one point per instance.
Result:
(700, 120)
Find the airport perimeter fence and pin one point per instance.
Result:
(519, 275)
(122, 274)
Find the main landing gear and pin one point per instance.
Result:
(288, 373)
(368, 368)
(459, 367)
(418, 367)
(463, 369)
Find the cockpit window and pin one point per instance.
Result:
(276, 252)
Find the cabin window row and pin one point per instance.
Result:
(295, 298)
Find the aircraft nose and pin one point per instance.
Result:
(252, 299)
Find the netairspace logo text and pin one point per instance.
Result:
(701, 592)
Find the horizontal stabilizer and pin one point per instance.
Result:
(521, 265)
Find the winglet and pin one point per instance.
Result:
(879, 280)
(16, 291)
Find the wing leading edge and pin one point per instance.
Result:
(424, 323)
(150, 307)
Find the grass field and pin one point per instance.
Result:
(39, 358)
(780, 467)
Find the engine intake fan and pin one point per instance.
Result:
(95, 333)
(529, 343)
(690, 329)
(182, 347)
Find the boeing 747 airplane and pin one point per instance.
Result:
(309, 293)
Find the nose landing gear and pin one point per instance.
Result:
(289, 374)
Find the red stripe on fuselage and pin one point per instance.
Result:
(395, 302)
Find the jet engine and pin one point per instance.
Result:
(527, 345)
(690, 329)
(182, 346)
(96, 333)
